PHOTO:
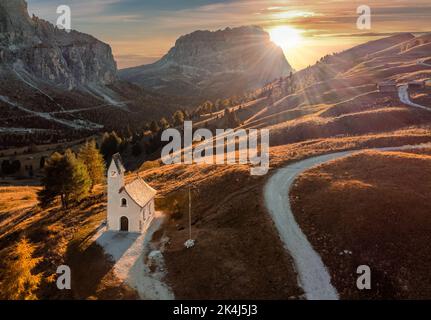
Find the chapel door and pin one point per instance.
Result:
(124, 224)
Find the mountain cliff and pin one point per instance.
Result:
(36, 47)
(220, 63)
(56, 84)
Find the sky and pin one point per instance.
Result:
(142, 31)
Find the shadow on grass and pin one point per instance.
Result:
(91, 269)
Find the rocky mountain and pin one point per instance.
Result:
(62, 84)
(214, 64)
(36, 46)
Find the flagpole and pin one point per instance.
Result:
(190, 215)
(190, 243)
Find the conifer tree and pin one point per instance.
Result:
(164, 124)
(93, 160)
(111, 144)
(17, 281)
(154, 127)
(178, 118)
(66, 177)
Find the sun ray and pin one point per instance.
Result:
(286, 37)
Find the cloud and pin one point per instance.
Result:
(179, 16)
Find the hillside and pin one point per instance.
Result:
(43, 113)
(226, 223)
(363, 205)
(339, 65)
(339, 96)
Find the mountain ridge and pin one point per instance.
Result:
(214, 62)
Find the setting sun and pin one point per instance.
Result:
(285, 36)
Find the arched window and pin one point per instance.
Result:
(123, 202)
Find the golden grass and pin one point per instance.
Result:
(282, 155)
(421, 96)
(377, 205)
(150, 165)
(227, 221)
(17, 198)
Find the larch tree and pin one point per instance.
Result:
(163, 123)
(66, 177)
(93, 160)
(17, 281)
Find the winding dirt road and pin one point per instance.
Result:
(313, 276)
(403, 94)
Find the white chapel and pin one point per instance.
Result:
(130, 206)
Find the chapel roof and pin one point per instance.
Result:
(140, 191)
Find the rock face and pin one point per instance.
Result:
(220, 63)
(45, 52)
